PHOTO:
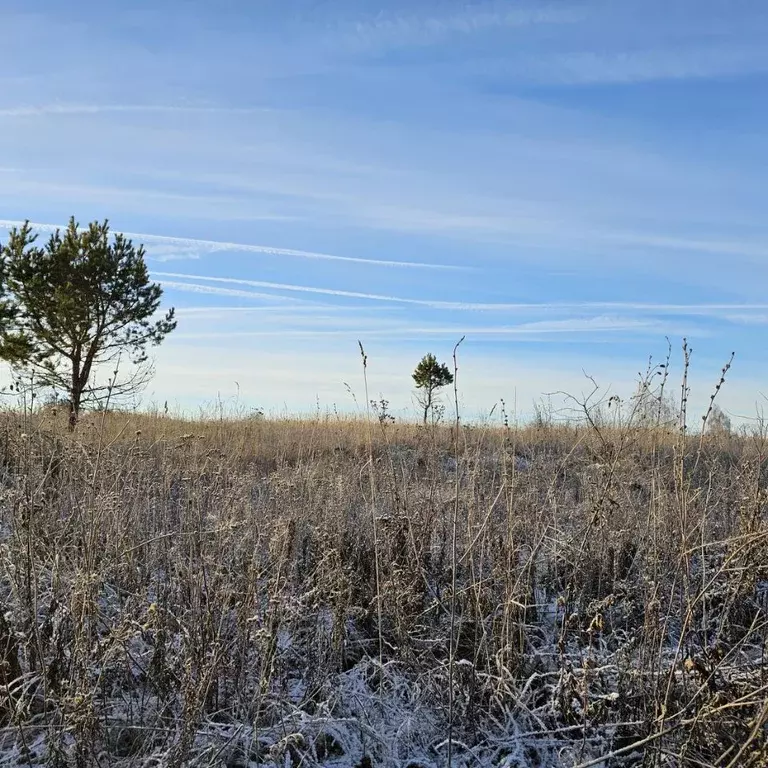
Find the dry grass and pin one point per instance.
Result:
(205, 594)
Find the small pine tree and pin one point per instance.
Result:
(429, 377)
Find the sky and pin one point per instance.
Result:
(564, 184)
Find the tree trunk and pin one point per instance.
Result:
(74, 413)
(75, 393)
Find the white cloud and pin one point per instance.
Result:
(163, 254)
(746, 318)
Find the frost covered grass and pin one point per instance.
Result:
(267, 592)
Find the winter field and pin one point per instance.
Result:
(359, 593)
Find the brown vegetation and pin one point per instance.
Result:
(212, 593)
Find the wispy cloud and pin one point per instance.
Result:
(321, 321)
(678, 63)
(645, 307)
(587, 325)
(190, 248)
(223, 312)
(196, 287)
(216, 290)
(375, 327)
(396, 30)
(220, 207)
(746, 318)
(41, 110)
(333, 292)
(213, 246)
(743, 248)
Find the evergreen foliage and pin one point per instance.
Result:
(81, 300)
(430, 376)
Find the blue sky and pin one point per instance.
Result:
(565, 183)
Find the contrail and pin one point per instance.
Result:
(96, 109)
(683, 309)
(218, 246)
(215, 290)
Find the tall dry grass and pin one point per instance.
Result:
(318, 591)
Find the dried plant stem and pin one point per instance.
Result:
(454, 555)
(374, 520)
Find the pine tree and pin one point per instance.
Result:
(82, 300)
(429, 377)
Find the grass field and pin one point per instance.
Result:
(336, 591)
